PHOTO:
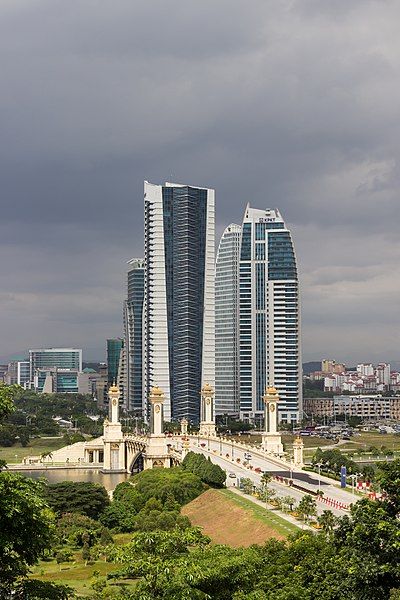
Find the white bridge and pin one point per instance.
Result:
(118, 452)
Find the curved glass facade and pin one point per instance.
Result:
(227, 322)
(269, 316)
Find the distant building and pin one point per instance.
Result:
(133, 335)
(366, 379)
(52, 380)
(179, 296)
(63, 358)
(368, 408)
(227, 322)
(114, 348)
(23, 373)
(269, 316)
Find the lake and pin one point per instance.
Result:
(108, 480)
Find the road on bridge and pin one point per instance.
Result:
(225, 454)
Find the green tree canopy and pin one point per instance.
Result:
(77, 496)
(26, 526)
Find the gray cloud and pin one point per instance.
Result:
(292, 104)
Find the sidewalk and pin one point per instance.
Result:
(279, 513)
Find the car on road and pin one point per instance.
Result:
(257, 470)
(232, 475)
(248, 456)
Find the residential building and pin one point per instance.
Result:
(227, 322)
(367, 407)
(63, 358)
(179, 296)
(366, 379)
(269, 316)
(133, 334)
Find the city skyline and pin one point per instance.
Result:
(301, 113)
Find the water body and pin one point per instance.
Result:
(108, 480)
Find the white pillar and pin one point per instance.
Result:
(298, 452)
(207, 415)
(184, 426)
(271, 438)
(157, 417)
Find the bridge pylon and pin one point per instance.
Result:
(157, 451)
(114, 445)
(271, 438)
(207, 412)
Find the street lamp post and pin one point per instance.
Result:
(353, 482)
(232, 451)
(319, 465)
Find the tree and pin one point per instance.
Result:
(287, 503)
(307, 507)
(63, 555)
(388, 478)
(327, 521)
(201, 466)
(77, 496)
(154, 558)
(247, 485)
(26, 527)
(266, 478)
(34, 589)
(183, 486)
(86, 555)
(7, 396)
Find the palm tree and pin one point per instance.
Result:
(327, 521)
(307, 507)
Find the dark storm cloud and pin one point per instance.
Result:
(285, 103)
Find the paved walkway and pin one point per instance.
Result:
(279, 513)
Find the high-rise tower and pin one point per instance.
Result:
(227, 322)
(269, 316)
(133, 334)
(179, 301)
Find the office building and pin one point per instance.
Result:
(179, 296)
(52, 380)
(269, 316)
(133, 333)
(63, 358)
(23, 372)
(114, 348)
(227, 322)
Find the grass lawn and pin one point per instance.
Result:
(16, 453)
(269, 517)
(75, 573)
(230, 519)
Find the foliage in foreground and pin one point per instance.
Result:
(355, 558)
(26, 527)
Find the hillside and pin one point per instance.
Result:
(234, 521)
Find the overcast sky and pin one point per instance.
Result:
(292, 104)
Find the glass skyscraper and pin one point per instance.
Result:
(133, 318)
(114, 350)
(179, 300)
(227, 322)
(269, 316)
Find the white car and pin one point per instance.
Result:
(233, 475)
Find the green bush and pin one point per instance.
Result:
(209, 473)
